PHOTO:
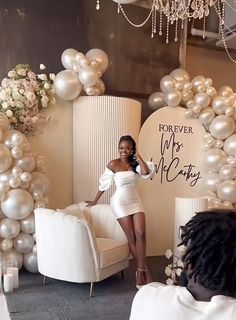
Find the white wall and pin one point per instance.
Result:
(54, 140)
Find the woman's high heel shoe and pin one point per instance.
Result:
(139, 286)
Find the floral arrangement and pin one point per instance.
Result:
(175, 268)
(24, 94)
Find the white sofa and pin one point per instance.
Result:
(80, 243)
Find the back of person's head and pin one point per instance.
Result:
(210, 256)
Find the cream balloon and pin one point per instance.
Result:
(206, 115)
(222, 127)
(187, 86)
(227, 205)
(12, 258)
(37, 195)
(18, 204)
(16, 171)
(67, 85)
(5, 158)
(101, 86)
(230, 145)
(212, 180)
(214, 159)
(23, 242)
(226, 191)
(202, 99)
(17, 138)
(198, 81)
(14, 182)
(6, 244)
(9, 228)
(172, 98)
(31, 262)
(211, 91)
(218, 105)
(16, 152)
(27, 225)
(25, 177)
(225, 91)
(68, 58)
(39, 182)
(229, 111)
(100, 56)
(88, 76)
(227, 172)
(180, 75)
(167, 83)
(156, 100)
(219, 144)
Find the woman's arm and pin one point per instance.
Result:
(143, 166)
(97, 197)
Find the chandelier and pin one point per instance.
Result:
(176, 12)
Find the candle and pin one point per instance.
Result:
(8, 283)
(14, 272)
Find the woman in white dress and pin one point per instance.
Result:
(125, 202)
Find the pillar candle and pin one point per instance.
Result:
(14, 272)
(8, 283)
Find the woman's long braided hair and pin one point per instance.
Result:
(210, 256)
(132, 159)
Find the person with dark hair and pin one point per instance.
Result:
(209, 264)
(126, 203)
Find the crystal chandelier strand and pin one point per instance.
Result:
(132, 23)
(221, 24)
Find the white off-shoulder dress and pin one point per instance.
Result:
(125, 200)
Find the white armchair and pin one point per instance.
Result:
(80, 243)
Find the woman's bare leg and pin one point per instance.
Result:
(127, 225)
(140, 235)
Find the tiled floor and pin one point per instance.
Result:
(4, 315)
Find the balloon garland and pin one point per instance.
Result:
(216, 111)
(23, 187)
(83, 72)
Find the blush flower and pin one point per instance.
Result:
(23, 95)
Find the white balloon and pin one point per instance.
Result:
(23, 242)
(225, 91)
(16, 152)
(167, 83)
(67, 85)
(25, 177)
(14, 182)
(212, 180)
(18, 204)
(198, 81)
(88, 76)
(68, 58)
(17, 138)
(16, 171)
(214, 159)
(180, 75)
(172, 98)
(222, 127)
(202, 99)
(219, 105)
(226, 191)
(6, 244)
(100, 56)
(230, 145)
(156, 100)
(206, 115)
(227, 172)
(30, 262)
(9, 228)
(27, 225)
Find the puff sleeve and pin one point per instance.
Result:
(151, 167)
(106, 179)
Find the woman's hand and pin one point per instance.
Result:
(90, 203)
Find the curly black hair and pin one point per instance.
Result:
(210, 256)
(132, 159)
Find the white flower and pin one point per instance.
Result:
(42, 76)
(21, 91)
(44, 101)
(11, 74)
(47, 86)
(9, 113)
(169, 282)
(179, 271)
(168, 271)
(21, 72)
(52, 76)
(30, 96)
(4, 105)
(168, 253)
(42, 66)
